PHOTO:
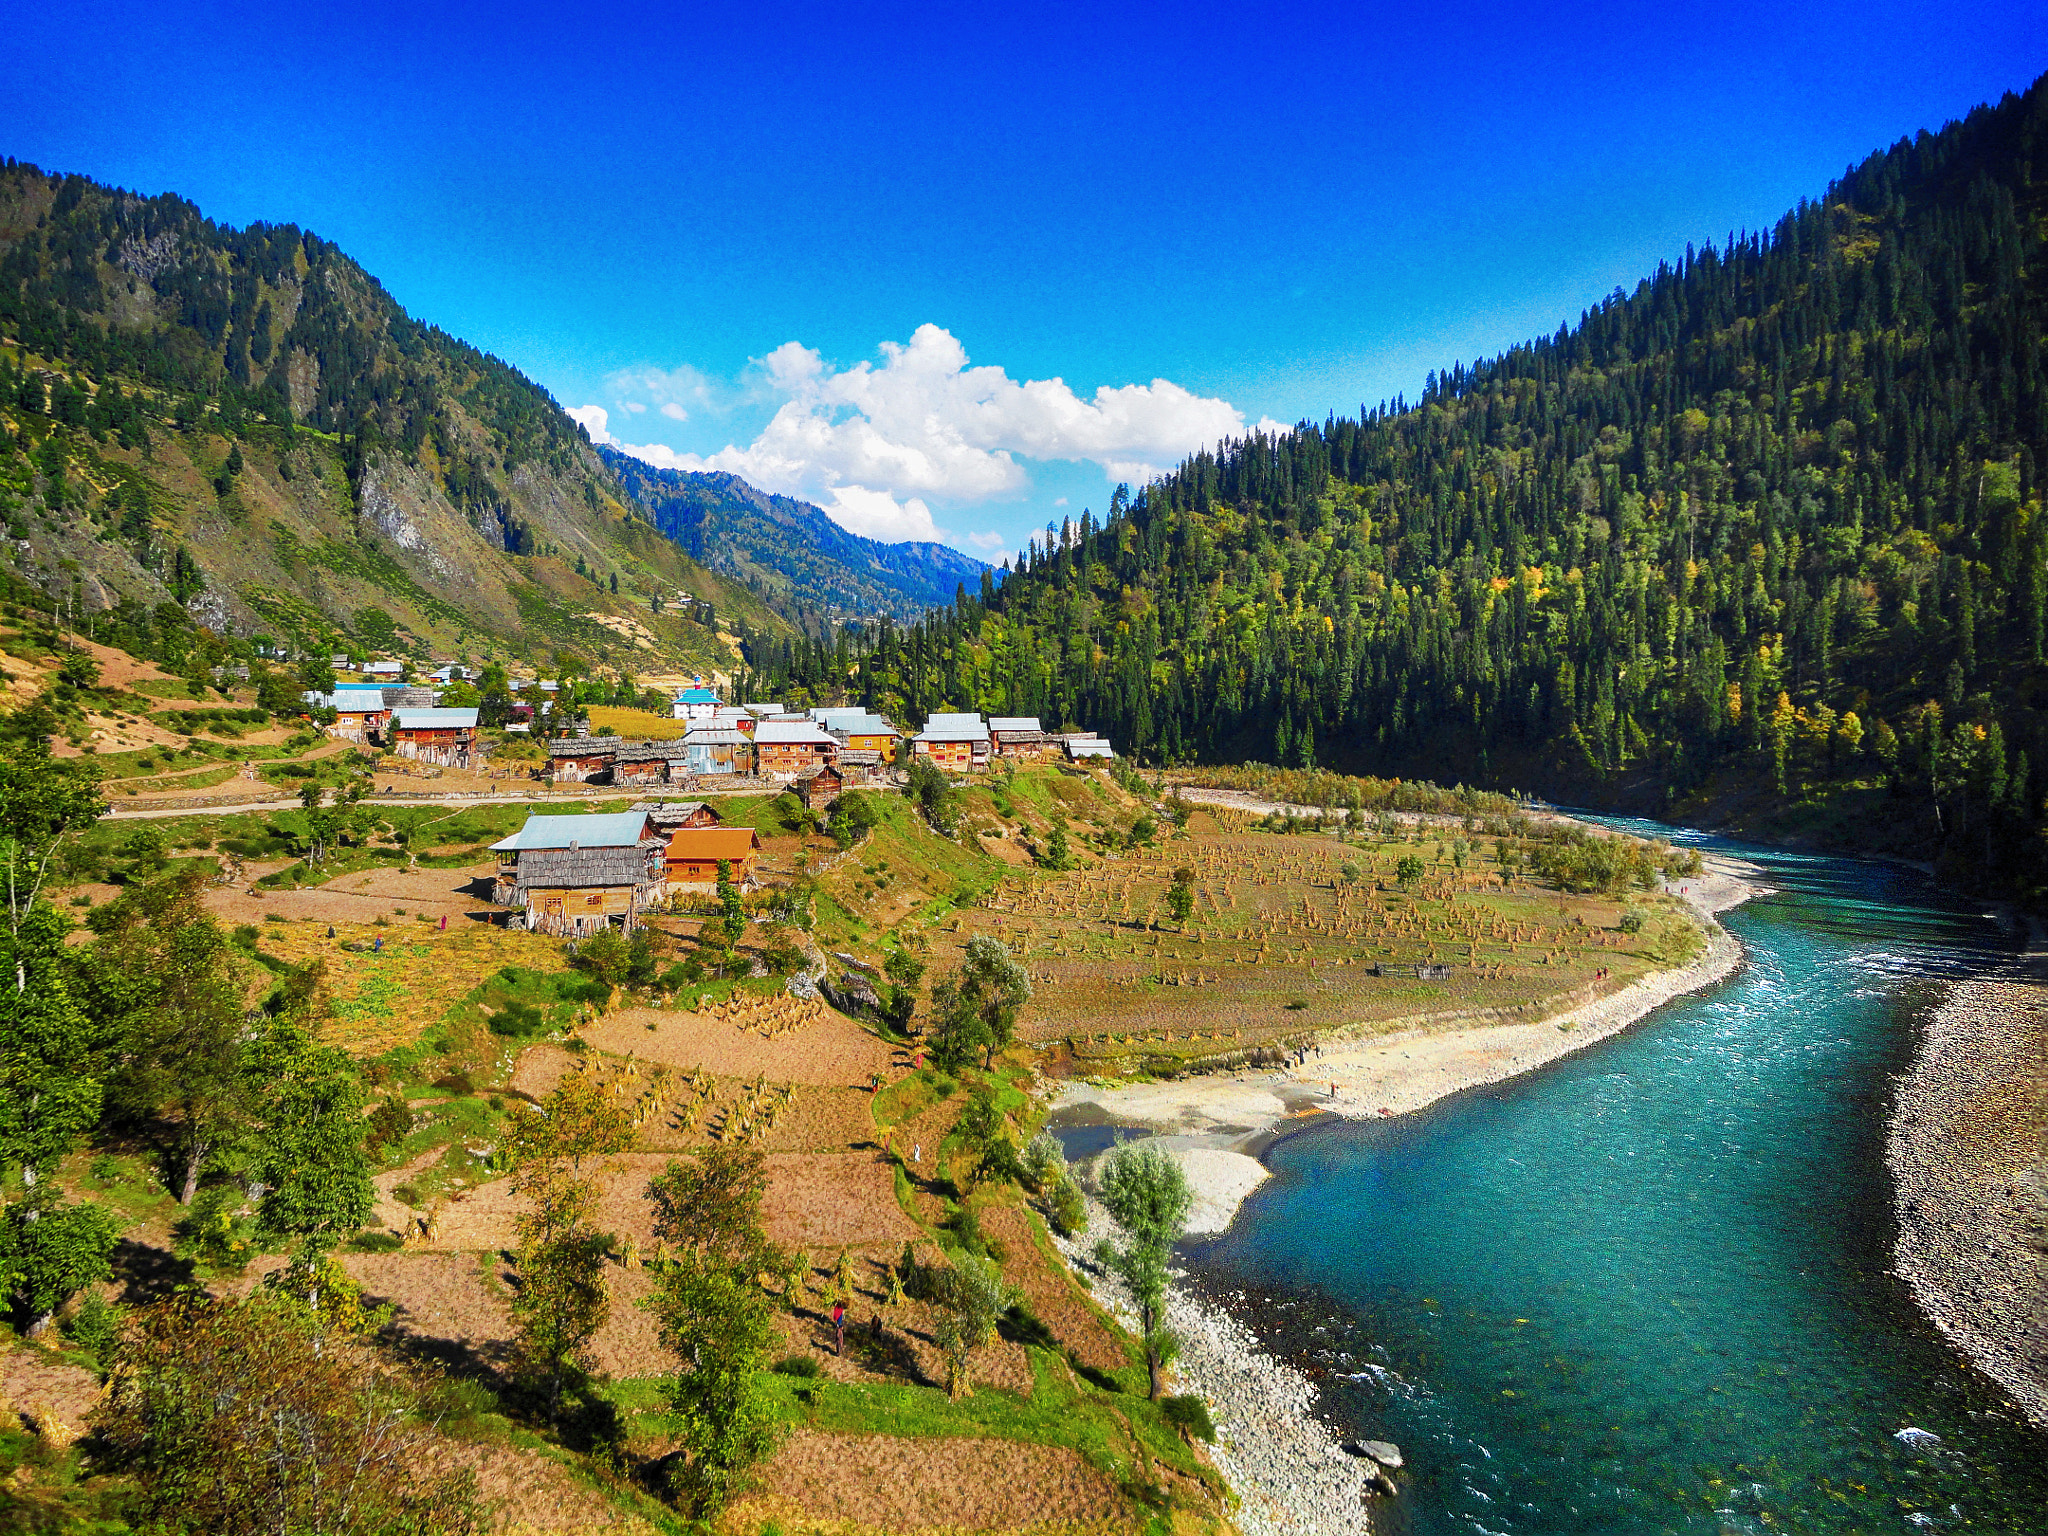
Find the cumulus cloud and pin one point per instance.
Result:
(986, 541)
(872, 442)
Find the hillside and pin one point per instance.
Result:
(790, 553)
(1759, 542)
(244, 424)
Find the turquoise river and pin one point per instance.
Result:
(1645, 1289)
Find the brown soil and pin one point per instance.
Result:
(45, 1393)
(906, 1486)
(359, 898)
(833, 1052)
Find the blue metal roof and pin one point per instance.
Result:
(609, 829)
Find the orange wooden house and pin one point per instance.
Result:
(694, 853)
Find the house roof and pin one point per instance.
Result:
(828, 713)
(714, 736)
(667, 813)
(954, 727)
(642, 752)
(1015, 723)
(763, 706)
(382, 667)
(816, 770)
(866, 757)
(433, 719)
(712, 842)
(352, 701)
(862, 725)
(584, 867)
(607, 829)
(697, 696)
(792, 733)
(583, 746)
(1090, 746)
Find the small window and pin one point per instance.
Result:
(595, 900)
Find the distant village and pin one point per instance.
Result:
(573, 875)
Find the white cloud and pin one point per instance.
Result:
(1059, 501)
(636, 407)
(872, 442)
(593, 419)
(878, 515)
(989, 542)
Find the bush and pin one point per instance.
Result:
(457, 1083)
(1044, 1165)
(1631, 922)
(518, 1020)
(390, 1123)
(96, 1329)
(1188, 1412)
(1069, 1210)
(376, 1242)
(805, 1366)
(215, 1232)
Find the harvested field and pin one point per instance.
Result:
(391, 997)
(1283, 940)
(877, 1483)
(817, 1046)
(47, 1392)
(1051, 1295)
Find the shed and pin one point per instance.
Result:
(818, 787)
(581, 759)
(641, 762)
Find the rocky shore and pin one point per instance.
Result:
(1968, 1151)
(1286, 1467)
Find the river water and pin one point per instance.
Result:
(1644, 1289)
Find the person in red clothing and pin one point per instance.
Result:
(839, 1327)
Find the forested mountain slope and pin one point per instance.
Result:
(241, 429)
(1763, 537)
(790, 553)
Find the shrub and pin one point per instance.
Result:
(1631, 922)
(1069, 1210)
(1044, 1164)
(214, 1231)
(805, 1366)
(518, 1020)
(97, 1328)
(1187, 1411)
(376, 1242)
(390, 1123)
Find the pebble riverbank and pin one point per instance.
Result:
(1968, 1151)
(1283, 1463)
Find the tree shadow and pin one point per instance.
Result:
(147, 1273)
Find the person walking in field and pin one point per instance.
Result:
(839, 1327)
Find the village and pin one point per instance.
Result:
(746, 932)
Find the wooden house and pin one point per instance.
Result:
(359, 713)
(444, 736)
(710, 749)
(1018, 736)
(863, 732)
(633, 829)
(818, 787)
(641, 762)
(784, 748)
(581, 759)
(670, 815)
(691, 862)
(1086, 746)
(957, 741)
(575, 891)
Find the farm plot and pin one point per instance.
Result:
(1297, 934)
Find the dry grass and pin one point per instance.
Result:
(637, 724)
(1276, 922)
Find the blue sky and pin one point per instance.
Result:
(850, 247)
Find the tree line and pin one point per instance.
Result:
(1768, 525)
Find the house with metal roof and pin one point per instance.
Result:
(358, 712)
(863, 732)
(954, 741)
(696, 704)
(572, 892)
(1018, 736)
(784, 748)
(710, 749)
(1086, 745)
(668, 815)
(554, 834)
(444, 736)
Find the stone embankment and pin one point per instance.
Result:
(1968, 1151)
(1289, 1471)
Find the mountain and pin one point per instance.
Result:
(239, 429)
(792, 554)
(1761, 541)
